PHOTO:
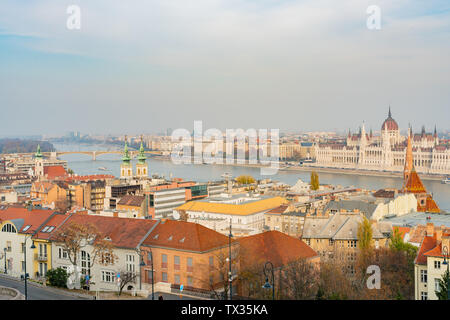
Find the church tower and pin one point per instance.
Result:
(141, 166)
(126, 170)
(38, 163)
(362, 145)
(408, 159)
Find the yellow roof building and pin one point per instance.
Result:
(242, 209)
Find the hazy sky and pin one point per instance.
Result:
(143, 66)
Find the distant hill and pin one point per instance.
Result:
(23, 146)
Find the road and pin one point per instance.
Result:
(170, 296)
(37, 293)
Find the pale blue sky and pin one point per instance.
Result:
(143, 66)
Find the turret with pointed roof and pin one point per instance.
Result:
(126, 170)
(141, 166)
(126, 157)
(408, 159)
(38, 163)
(141, 157)
(413, 184)
(38, 153)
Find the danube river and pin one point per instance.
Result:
(83, 165)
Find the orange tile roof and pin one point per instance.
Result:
(124, 232)
(273, 246)
(417, 233)
(185, 236)
(428, 243)
(278, 210)
(33, 218)
(414, 183)
(45, 186)
(403, 231)
(131, 200)
(55, 221)
(435, 252)
(53, 172)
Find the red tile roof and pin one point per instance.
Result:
(33, 218)
(53, 172)
(275, 247)
(428, 243)
(123, 232)
(131, 200)
(403, 231)
(185, 236)
(278, 210)
(435, 252)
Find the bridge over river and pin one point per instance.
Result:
(94, 154)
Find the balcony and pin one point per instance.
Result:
(41, 257)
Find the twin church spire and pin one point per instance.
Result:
(126, 168)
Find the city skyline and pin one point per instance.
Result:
(307, 65)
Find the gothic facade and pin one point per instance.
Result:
(386, 152)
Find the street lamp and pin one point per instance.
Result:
(446, 262)
(230, 275)
(4, 250)
(141, 264)
(153, 286)
(268, 267)
(25, 263)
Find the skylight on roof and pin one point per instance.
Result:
(50, 229)
(170, 238)
(45, 229)
(26, 228)
(182, 240)
(156, 237)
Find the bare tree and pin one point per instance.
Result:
(298, 280)
(218, 273)
(76, 237)
(126, 277)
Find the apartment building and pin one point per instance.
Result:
(429, 264)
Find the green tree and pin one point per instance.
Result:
(442, 293)
(314, 181)
(397, 244)
(245, 179)
(57, 277)
(365, 234)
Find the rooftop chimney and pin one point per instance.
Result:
(430, 229)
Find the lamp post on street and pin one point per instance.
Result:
(153, 284)
(445, 253)
(230, 275)
(141, 266)
(268, 268)
(25, 263)
(4, 256)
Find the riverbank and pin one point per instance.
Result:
(294, 169)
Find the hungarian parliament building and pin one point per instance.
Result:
(386, 152)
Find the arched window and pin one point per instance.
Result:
(9, 228)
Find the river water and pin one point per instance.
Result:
(84, 165)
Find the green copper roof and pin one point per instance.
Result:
(126, 157)
(141, 157)
(38, 153)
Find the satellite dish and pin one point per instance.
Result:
(176, 215)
